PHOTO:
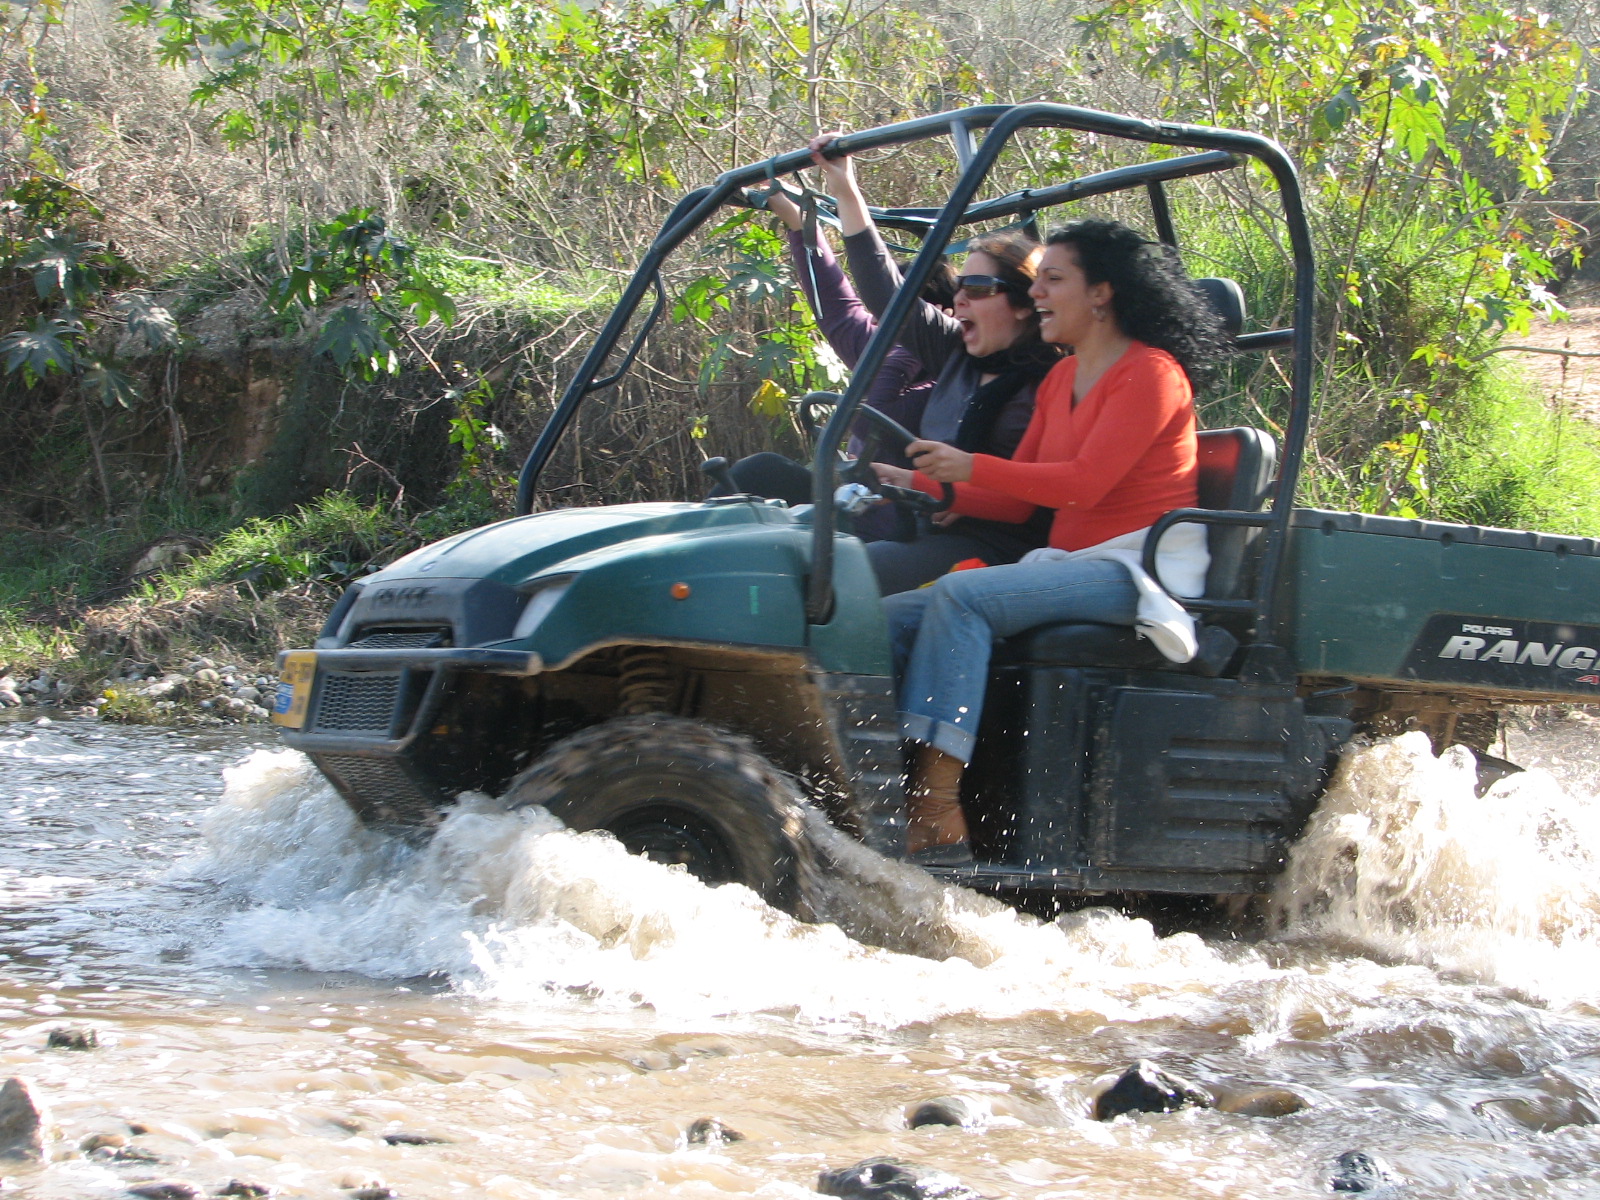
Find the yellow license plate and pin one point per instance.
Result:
(294, 688)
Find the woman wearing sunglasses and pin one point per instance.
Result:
(1110, 448)
(990, 359)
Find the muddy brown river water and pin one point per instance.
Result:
(514, 1011)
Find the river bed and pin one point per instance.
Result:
(285, 999)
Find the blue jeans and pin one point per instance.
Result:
(942, 635)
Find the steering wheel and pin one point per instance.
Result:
(886, 431)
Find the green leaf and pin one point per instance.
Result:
(45, 348)
(351, 334)
(110, 385)
(59, 269)
(148, 322)
(427, 301)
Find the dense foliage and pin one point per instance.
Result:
(418, 210)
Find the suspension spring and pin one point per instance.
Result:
(646, 683)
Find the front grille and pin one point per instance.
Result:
(363, 703)
(401, 639)
(383, 791)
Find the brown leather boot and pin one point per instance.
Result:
(933, 807)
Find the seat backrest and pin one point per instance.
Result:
(1227, 297)
(1237, 467)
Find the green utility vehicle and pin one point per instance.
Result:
(690, 675)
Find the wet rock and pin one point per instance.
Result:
(1358, 1171)
(892, 1179)
(102, 1141)
(967, 1112)
(164, 554)
(165, 1189)
(378, 1192)
(68, 1038)
(1264, 1101)
(1145, 1087)
(127, 1154)
(22, 1121)
(708, 1131)
(402, 1138)
(250, 1191)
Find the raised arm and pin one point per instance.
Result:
(929, 333)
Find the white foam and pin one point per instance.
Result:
(1402, 859)
(1405, 860)
(521, 910)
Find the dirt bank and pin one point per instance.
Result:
(1573, 383)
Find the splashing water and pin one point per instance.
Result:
(515, 907)
(1403, 859)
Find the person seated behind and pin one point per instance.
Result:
(990, 358)
(899, 390)
(1111, 447)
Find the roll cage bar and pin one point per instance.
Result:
(1219, 149)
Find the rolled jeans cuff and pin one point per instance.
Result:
(941, 735)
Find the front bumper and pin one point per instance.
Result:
(357, 712)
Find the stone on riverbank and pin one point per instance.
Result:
(165, 1189)
(967, 1112)
(1145, 1087)
(67, 1038)
(1358, 1171)
(708, 1131)
(1262, 1101)
(22, 1121)
(892, 1179)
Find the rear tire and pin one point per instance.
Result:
(679, 792)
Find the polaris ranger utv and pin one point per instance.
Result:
(688, 675)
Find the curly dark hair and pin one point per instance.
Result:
(1152, 296)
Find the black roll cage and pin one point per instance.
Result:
(1220, 149)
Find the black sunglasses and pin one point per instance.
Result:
(981, 287)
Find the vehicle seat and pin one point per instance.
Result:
(1227, 297)
(1237, 467)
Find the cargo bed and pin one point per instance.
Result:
(1440, 607)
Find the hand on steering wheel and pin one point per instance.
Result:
(885, 431)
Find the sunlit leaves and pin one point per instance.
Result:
(44, 347)
(353, 338)
(63, 267)
(358, 260)
(149, 324)
(110, 385)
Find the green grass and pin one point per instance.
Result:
(333, 538)
(513, 287)
(48, 582)
(1513, 462)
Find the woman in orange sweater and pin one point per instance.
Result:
(1110, 448)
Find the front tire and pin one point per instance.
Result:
(681, 793)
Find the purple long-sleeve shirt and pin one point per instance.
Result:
(901, 388)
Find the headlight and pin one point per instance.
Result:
(547, 594)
